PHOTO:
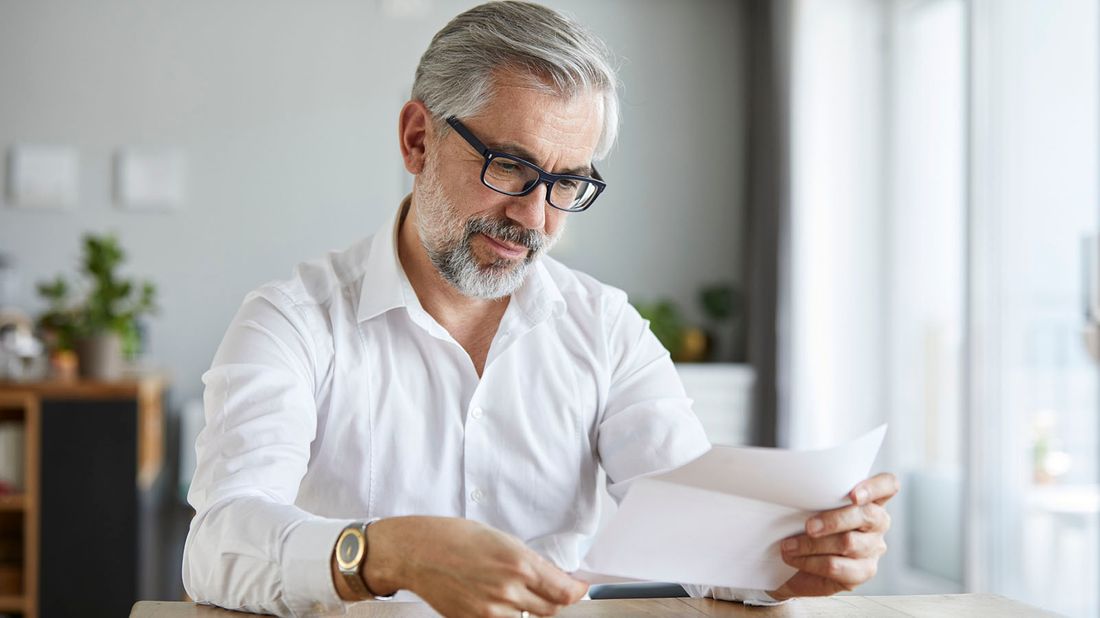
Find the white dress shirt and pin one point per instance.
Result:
(335, 397)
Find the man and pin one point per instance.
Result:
(427, 410)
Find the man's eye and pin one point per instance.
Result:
(507, 167)
(568, 184)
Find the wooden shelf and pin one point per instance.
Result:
(11, 603)
(125, 388)
(13, 502)
(25, 504)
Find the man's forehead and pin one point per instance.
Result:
(542, 123)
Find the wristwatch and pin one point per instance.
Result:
(351, 553)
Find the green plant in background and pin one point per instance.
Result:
(61, 320)
(723, 304)
(720, 302)
(665, 321)
(113, 304)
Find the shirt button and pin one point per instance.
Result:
(477, 413)
(477, 495)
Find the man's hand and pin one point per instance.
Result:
(465, 568)
(841, 548)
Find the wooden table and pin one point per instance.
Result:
(931, 605)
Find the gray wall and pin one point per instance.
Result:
(286, 112)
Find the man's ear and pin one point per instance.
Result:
(414, 130)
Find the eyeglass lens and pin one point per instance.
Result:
(513, 177)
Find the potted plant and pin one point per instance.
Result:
(665, 322)
(102, 327)
(686, 344)
(722, 304)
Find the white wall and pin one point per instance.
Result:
(286, 112)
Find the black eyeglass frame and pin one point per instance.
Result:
(545, 178)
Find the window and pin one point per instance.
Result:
(944, 194)
(1034, 501)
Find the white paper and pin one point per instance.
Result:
(719, 519)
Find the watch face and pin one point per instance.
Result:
(349, 549)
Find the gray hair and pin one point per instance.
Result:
(455, 74)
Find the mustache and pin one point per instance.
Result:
(508, 231)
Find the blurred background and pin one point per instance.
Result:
(835, 213)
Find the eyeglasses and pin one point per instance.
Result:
(511, 175)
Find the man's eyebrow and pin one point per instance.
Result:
(517, 150)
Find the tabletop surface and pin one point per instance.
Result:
(847, 605)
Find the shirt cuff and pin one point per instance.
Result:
(761, 598)
(747, 596)
(307, 567)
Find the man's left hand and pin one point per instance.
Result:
(841, 548)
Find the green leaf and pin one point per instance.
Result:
(721, 301)
(111, 303)
(665, 322)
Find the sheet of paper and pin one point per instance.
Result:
(719, 519)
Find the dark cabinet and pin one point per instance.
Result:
(99, 456)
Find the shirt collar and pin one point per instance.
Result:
(539, 297)
(389, 288)
(383, 278)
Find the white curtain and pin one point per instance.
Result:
(944, 173)
(834, 364)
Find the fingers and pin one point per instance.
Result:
(850, 544)
(803, 584)
(867, 518)
(841, 547)
(846, 572)
(878, 489)
(523, 598)
(553, 585)
(464, 568)
(535, 585)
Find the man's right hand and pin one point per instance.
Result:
(465, 568)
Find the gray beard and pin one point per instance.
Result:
(448, 244)
(460, 268)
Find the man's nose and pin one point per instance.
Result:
(529, 210)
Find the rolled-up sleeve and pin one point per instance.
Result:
(647, 423)
(249, 547)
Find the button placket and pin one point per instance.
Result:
(477, 453)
